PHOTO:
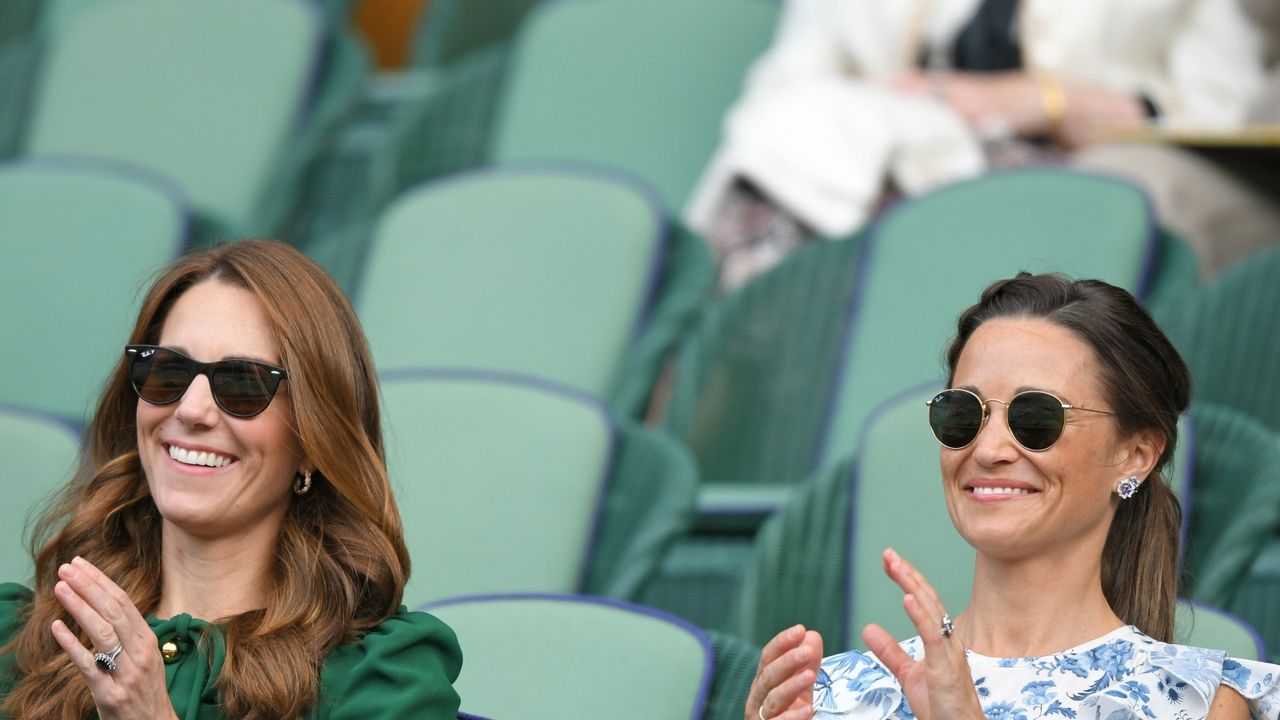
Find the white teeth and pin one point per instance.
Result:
(1000, 491)
(192, 457)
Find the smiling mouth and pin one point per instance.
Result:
(999, 491)
(198, 458)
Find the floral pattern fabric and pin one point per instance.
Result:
(1123, 675)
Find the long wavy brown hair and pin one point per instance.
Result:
(1148, 386)
(340, 564)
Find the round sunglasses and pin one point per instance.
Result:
(1035, 418)
(242, 388)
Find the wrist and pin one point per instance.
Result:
(1053, 103)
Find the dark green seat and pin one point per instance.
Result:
(450, 30)
(510, 484)
(40, 453)
(79, 240)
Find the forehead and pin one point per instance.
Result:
(1006, 355)
(214, 319)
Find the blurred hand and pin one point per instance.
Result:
(783, 686)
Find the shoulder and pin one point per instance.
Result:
(408, 661)
(855, 686)
(1191, 676)
(14, 601)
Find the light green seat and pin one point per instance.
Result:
(512, 484)
(547, 657)
(544, 272)
(641, 85)
(209, 93)
(40, 455)
(1205, 626)
(80, 241)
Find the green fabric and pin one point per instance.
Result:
(404, 667)
(1235, 505)
(648, 505)
(1226, 333)
(735, 667)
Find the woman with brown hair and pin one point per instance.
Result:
(1061, 412)
(230, 545)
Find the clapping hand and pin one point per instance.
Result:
(783, 686)
(124, 670)
(939, 687)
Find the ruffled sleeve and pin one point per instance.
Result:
(855, 686)
(14, 601)
(404, 667)
(1191, 677)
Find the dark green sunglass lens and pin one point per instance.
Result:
(161, 377)
(1036, 420)
(243, 388)
(955, 417)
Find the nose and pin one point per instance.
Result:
(196, 407)
(995, 444)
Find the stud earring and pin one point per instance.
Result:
(1128, 486)
(302, 483)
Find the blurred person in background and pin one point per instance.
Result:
(856, 101)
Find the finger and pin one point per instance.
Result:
(112, 604)
(887, 651)
(913, 583)
(786, 695)
(80, 656)
(102, 636)
(767, 670)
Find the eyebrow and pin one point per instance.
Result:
(1019, 390)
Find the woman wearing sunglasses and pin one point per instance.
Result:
(1062, 410)
(229, 546)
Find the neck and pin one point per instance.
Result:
(1036, 606)
(213, 579)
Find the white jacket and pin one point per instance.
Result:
(818, 130)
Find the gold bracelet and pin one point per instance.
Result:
(1054, 100)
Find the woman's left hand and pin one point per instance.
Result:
(136, 687)
(939, 687)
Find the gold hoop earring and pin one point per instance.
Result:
(302, 483)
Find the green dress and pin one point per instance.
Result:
(404, 667)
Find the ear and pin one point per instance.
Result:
(1142, 450)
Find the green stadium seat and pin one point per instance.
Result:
(211, 94)
(541, 271)
(1201, 625)
(80, 240)
(40, 454)
(513, 484)
(548, 657)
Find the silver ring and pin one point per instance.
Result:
(948, 628)
(106, 661)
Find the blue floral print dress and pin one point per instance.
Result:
(1123, 675)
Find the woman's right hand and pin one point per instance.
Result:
(783, 686)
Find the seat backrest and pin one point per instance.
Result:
(1226, 332)
(897, 476)
(449, 30)
(537, 271)
(79, 242)
(537, 656)
(931, 257)
(499, 480)
(1201, 625)
(205, 92)
(642, 85)
(40, 454)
